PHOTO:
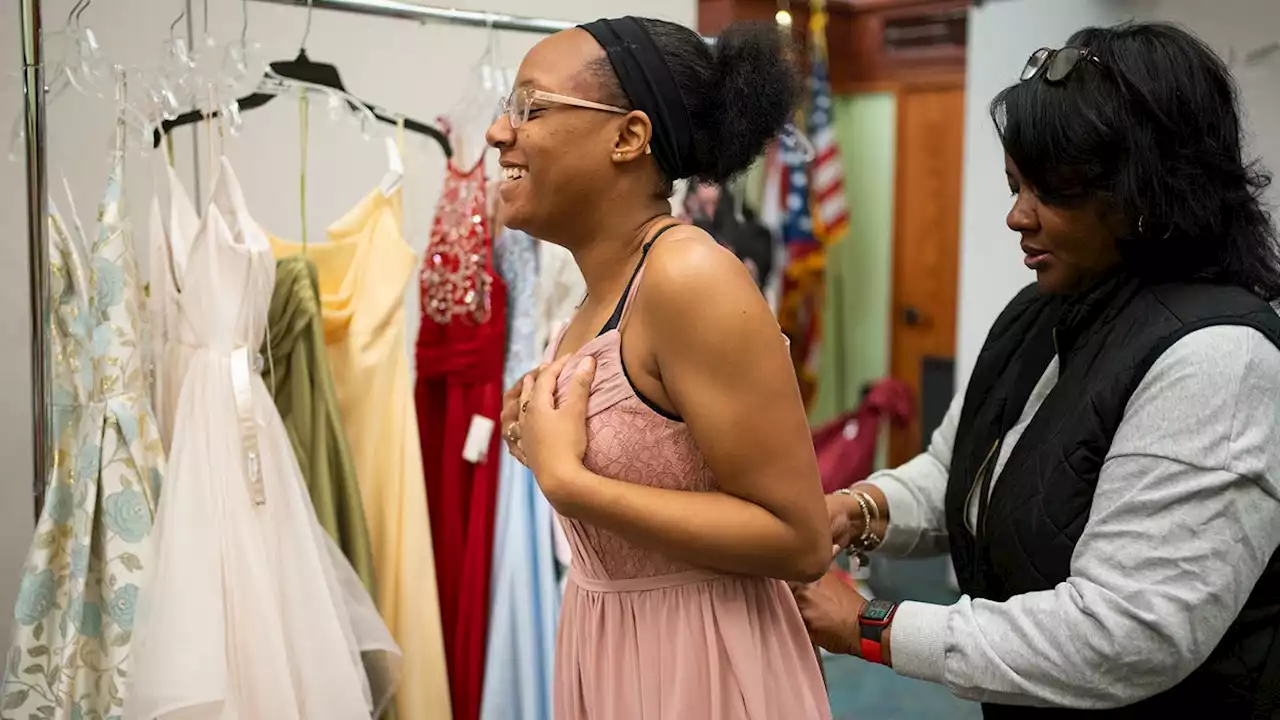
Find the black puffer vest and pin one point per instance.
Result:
(1105, 341)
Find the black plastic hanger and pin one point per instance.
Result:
(304, 69)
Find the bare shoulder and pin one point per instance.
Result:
(687, 266)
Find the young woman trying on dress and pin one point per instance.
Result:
(668, 432)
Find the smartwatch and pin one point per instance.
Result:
(875, 617)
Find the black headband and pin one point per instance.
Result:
(647, 81)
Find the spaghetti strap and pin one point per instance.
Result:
(625, 306)
(619, 312)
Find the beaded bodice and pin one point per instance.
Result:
(457, 276)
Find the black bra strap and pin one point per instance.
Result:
(616, 318)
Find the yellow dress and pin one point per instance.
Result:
(363, 271)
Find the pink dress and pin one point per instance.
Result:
(645, 637)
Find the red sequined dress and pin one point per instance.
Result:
(460, 350)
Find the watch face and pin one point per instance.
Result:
(877, 610)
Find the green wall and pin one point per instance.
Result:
(855, 345)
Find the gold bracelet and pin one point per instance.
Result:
(875, 507)
(869, 541)
(870, 514)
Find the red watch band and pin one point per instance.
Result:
(872, 651)
(872, 622)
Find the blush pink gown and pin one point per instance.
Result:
(645, 637)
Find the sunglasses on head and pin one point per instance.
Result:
(1056, 64)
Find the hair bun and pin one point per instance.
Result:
(755, 88)
(739, 93)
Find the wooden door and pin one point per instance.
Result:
(926, 255)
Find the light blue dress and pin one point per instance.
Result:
(525, 602)
(74, 617)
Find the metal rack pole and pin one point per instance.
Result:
(33, 101)
(426, 13)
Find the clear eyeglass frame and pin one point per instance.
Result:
(518, 104)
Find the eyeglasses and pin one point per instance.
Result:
(518, 105)
(1056, 64)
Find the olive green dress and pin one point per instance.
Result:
(298, 373)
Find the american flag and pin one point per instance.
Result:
(831, 211)
(797, 218)
(802, 289)
(814, 214)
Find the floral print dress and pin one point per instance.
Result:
(74, 617)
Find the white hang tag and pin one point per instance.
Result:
(475, 449)
(850, 430)
(395, 172)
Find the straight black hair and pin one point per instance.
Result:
(1152, 129)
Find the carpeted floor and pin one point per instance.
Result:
(862, 691)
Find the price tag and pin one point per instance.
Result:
(395, 172)
(850, 430)
(476, 448)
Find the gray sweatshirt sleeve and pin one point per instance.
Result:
(915, 492)
(1185, 517)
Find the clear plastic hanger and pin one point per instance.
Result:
(138, 125)
(478, 106)
(207, 53)
(137, 131)
(300, 73)
(340, 104)
(225, 65)
(509, 80)
(175, 85)
(241, 58)
(210, 73)
(490, 79)
(395, 164)
(236, 64)
(80, 65)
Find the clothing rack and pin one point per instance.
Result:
(33, 100)
(33, 107)
(427, 13)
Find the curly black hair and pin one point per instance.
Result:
(1152, 128)
(740, 92)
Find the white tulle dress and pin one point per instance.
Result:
(251, 611)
